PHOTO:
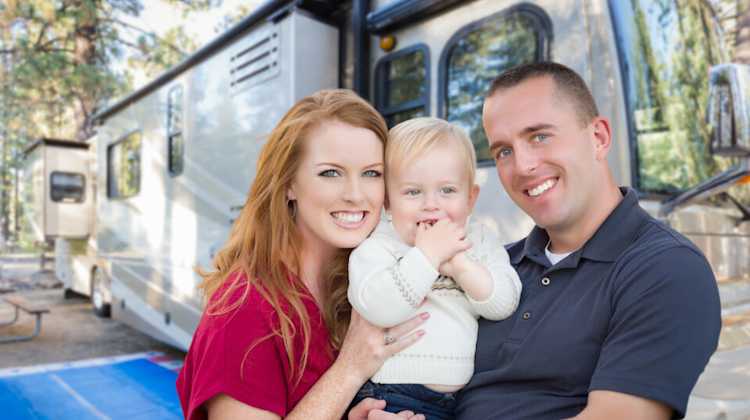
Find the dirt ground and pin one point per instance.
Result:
(69, 332)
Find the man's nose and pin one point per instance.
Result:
(526, 161)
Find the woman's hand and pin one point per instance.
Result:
(372, 409)
(366, 347)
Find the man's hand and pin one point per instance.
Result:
(441, 241)
(372, 409)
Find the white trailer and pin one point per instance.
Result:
(175, 158)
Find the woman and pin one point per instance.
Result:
(277, 313)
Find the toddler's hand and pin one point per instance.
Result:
(458, 264)
(441, 241)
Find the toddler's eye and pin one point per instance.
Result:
(447, 190)
(412, 192)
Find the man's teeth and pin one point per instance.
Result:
(349, 217)
(541, 188)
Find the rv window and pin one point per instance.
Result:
(175, 144)
(124, 167)
(402, 84)
(666, 50)
(67, 187)
(477, 54)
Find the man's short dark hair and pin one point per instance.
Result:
(567, 82)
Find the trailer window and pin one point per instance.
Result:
(666, 50)
(124, 167)
(402, 84)
(175, 139)
(67, 187)
(478, 53)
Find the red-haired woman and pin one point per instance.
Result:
(278, 338)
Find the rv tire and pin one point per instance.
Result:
(99, 291)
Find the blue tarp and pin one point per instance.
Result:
(138, 388)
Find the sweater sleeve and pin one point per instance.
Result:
(506, 286)
(384, 289)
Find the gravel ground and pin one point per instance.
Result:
(70, 331)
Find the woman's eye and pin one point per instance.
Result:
(329, 173)
(372, 173)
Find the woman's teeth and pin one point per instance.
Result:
(349, 217)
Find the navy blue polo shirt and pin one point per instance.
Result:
(636, 310)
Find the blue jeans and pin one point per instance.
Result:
(417, 398)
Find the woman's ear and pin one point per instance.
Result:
(290, 195)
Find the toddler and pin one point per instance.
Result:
(425, 257)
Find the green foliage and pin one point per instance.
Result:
(61, 61)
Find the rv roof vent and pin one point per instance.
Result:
(254, 59)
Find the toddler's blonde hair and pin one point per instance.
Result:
(415, 137)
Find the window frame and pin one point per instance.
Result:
(83, 187)
(381, 82)
(172, 133)
(109, 166)
(542, 26)
(625, 70)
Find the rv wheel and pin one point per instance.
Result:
(99, 295)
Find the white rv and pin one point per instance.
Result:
(175, 159)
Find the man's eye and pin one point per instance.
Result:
(329, 173)
(372, 173)
(503, 153)
(540, 138)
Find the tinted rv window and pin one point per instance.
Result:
(67, 187)
(481, 51)
(175, 143)
(666, 50)
(402, 84)
(124, 167)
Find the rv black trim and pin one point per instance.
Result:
(361, 80)
(55, 142)
(403, 12)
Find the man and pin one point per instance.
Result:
(619, 313)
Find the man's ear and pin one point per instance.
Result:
(473, 195)
(602, 135)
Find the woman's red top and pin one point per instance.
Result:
(218, 361)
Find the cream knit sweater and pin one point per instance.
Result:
(390, 282)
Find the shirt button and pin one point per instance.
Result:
(526, 315)
(545, 281)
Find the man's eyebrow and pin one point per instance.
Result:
(536, 127)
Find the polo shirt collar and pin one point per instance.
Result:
(609, 241)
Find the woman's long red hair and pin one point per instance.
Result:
(264, 243)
